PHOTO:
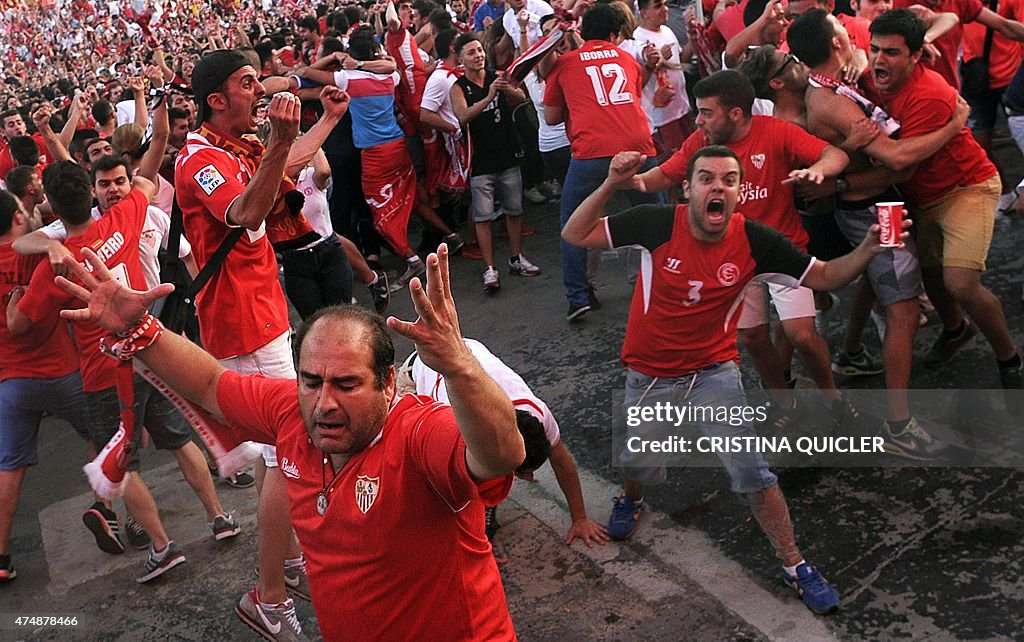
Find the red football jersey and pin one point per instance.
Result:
(769, 152)
(243, 307)
(402, 47)
(115, 238)
(686, 303)
(925, 103)
(599, 87)
(400, 552)
(45, 351)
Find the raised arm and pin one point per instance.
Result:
(335, 103)
(149, 167)
(486, 419)
(585, 228)
(256, 201)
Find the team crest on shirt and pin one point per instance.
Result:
(757, 160)
(728, 274)
(209, 179)
(672, 265)
(367, 489)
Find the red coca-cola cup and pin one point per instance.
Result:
(890, 219)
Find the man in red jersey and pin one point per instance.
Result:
(775, 155)
(224, 180)
(951, 194)
(387, 492)
(38, 373)
(597, 91)
(681, 333)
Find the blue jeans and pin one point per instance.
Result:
(717, 385)
(583, 178)
(22, 403)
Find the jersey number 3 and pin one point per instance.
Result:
(615, 95)
(693, 296)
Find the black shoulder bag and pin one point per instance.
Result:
(974, 72)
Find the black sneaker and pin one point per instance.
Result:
(948, 343)
(491, 521)
(7, 572)
(845, 414)
(137, 538)
(102, 523)
(593, 301)
(160, 563)
(861, 364)
(778, 418)
(576, 312)
(1012, 380)
(241, 479)
(380, 292)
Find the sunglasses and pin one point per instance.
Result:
(787, 61)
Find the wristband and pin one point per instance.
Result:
(124, 345)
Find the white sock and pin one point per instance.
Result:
(791, 570)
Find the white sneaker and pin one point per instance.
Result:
(521, 266)
(1006, 202)
(534, 196)
(491, 281)
(553, 188)
(412, 270)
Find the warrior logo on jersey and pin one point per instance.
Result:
(757, 160)
(367, 489)
(209, 178)
(672, 265)
(728, 274)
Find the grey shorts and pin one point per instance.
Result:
(895, 274)
(508, 184)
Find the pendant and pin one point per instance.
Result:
(321, 503)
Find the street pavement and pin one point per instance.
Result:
(924, 554)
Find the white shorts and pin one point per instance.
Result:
(271, 360)
(790, 303)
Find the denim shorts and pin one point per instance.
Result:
(166, 426)
(22, 404)
(715, 385)
(509, 186)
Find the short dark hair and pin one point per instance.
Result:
(900, 22)
(711, 151)
(361, 44)
(538, 448)
(7, 113)
(311, 23)
(440, 20)
(24, 150)
(352, 14)
(173, 114)
(752, 11)
(69, 191)
(759, 67)
(19, 178)
(110, 162)
(8, 207)
(730, 87)
(380, 343)
(423, 7)
(465, 39)
(102, 111)
(602, 21)
(810, 37)
(329, 46)
(443, 42)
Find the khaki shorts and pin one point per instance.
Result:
(956, 231)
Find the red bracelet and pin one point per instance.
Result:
(124, 345)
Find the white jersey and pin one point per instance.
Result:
(431, 383)
(154, 237)
(549, 137)
(537, 10)
(316, 208)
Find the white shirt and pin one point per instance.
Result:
(316, 208)
(549, 137)
(537, 9)
(431, 384)
(437, 95)
(679, 105)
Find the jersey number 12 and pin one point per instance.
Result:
(614, 96)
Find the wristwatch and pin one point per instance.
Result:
(359, 64)
(841, 185)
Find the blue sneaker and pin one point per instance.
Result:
(814, 590)
(624, 519)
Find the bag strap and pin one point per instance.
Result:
(989, 33)
(211, 267)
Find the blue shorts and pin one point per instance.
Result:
(165, 425)
(717, 385)
(22, 404)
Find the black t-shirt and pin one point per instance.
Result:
(494, 143)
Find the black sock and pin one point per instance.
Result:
(948, 334)
(1012, 362)
(897, 426)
